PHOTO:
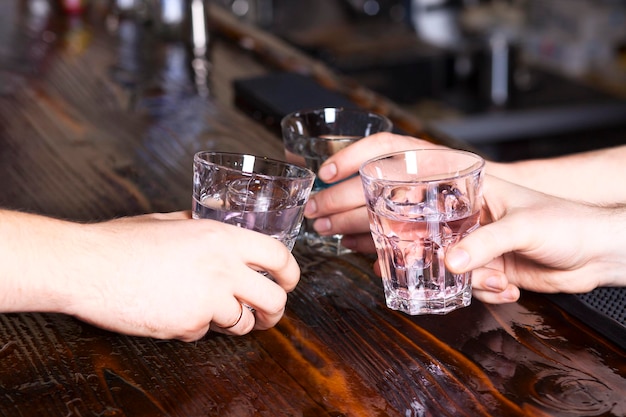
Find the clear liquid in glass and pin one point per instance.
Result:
(252, 205)
(411, 241)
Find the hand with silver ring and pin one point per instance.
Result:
(215, 264)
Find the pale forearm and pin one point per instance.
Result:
(33, 250)
(594, 176)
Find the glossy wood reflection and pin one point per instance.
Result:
(98, 122)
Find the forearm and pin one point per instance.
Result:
(32, 253)
(593, 176)
(609, 234)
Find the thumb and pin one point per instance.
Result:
(475, 250)
(509, 228)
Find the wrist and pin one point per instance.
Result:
(507, 171)
(610, 229)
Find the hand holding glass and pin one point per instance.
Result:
(419, 203)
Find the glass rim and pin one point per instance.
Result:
(307, 174)
(472, 168)
(354, 110)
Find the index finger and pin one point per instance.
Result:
(347, 161)
(267, 254)
(259, 252)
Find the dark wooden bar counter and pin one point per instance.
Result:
(99, 119)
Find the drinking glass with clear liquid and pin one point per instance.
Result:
(311, 137)
(256, 193)
(420, 203)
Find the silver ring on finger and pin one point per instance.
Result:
(236, 321)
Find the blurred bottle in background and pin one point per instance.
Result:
(575, 36)
(73, 7)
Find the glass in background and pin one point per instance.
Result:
(311, 137)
